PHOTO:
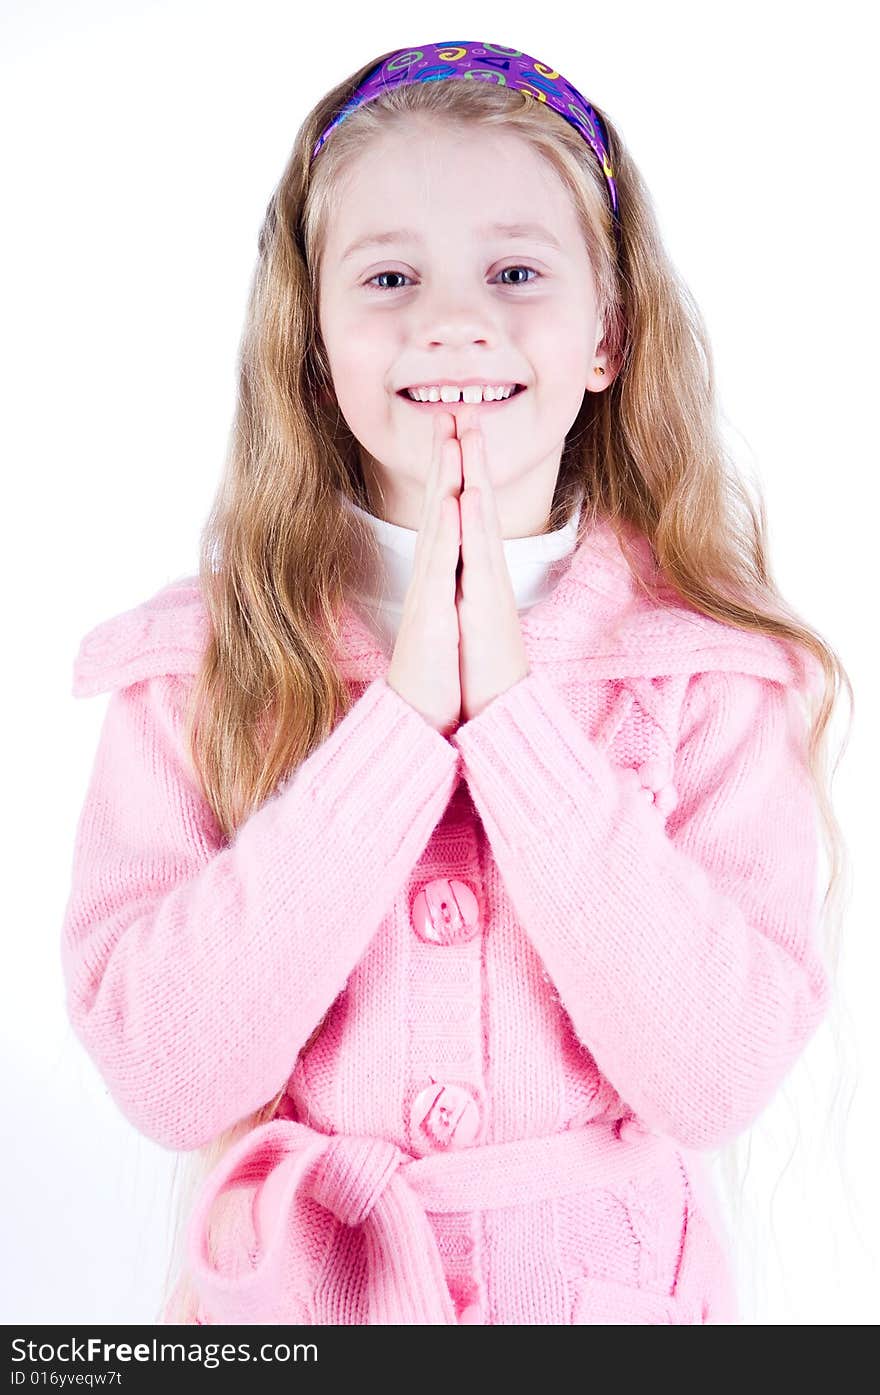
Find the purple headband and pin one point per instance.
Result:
(488, 63)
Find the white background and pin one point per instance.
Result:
(141, 145)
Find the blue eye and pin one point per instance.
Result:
(406, 278)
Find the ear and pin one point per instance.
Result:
(598, 382)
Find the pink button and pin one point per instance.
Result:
(472, 1313)
(446, 912)
(444, 1116)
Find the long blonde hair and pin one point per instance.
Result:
(275, 547)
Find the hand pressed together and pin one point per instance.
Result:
(459, 644)
(492, 654)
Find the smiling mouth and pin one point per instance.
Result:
(458, 406)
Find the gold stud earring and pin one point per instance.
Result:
(599, 370)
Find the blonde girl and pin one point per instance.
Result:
(451, 922)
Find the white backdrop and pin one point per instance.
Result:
(142, 142)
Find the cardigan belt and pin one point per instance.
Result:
(370, 1182)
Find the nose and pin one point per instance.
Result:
(454, 313)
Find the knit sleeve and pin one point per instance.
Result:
(685, 953)
(196, 969)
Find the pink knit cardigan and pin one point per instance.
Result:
(559, 957)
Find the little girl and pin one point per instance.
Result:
(446, 881)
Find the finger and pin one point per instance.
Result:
(478, 467)
(477, 574)
(442, 562)
(439, 433)
(443, 540)
(486, 550)
(446, 457)
(441, 470)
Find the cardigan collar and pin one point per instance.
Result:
(596, 623)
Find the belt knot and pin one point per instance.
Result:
(351, 1174)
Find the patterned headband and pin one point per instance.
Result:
(484, 62)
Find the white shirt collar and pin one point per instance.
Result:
(532, 563)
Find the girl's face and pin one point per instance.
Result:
(441, 295)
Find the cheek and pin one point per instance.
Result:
(358, 342)
(360, 378)
(566, 344)
(564, 330)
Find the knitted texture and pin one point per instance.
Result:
(560, 956)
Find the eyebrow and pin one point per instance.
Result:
(536, 231)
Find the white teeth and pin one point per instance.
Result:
(472, 393)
